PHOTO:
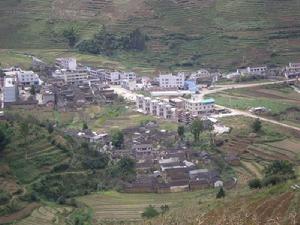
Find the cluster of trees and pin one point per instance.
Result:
(71, 35)
(117, 138)
(277, 172)
(106, 43)
(4, 135)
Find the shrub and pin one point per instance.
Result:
(221, 193)
(164, 209)
(150, 212)
(273, 180)
(4, 197)
(60, 167)
(255, 183)
(280, 167)
(256, 126)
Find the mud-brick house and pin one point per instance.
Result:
(144, 166)
(233, 159)
(142, 150)
(142, 184)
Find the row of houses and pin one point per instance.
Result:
(178, 109)
(292, 70)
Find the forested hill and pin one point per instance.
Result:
(216, 33)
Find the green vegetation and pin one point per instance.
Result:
(4, 197)
(255, 183)
(196, 129)
(107, 43)
(282, 101)
(180, 131)
(117, 138)
(71, 34)
(150, 212)
(82, 217)
(215, 37)
(221, 193)
(256, 126)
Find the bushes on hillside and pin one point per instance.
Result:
(4, 135)
(150, 212)
(221, 193)
(255, 183)
(106, 43)
(277, 172)
(4, 197)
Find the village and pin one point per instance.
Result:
(164, 161)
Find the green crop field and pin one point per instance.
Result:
(182, 34)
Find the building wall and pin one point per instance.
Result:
(28, 78)
(171, 81)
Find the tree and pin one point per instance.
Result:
(126, 166)
(117, 138)
(72, 36)
(24, 128)
(180, 131)
(280, 167)
(32, 90)
(150, 212)
(221, 193)
(137, 40)
(85, 126)
(256, 126)
(255, 183)
(164, 209)
(196, 129)
(50, 128)
(4, 139)
(2, 74)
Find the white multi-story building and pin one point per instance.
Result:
(117, 77)
(129, 84)
(171, 81)
(98, 74)
(72, 77)
(198, 106)
(253, 70)
(128, 76)
(10, 90)
(199, 74)
(155, 107)
(293, 67)
(113, 77)
(66, 63)
(28, 78)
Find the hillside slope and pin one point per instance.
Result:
(220, 33)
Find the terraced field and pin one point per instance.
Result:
(220, 33)
(257, 152)
(113, 206)
(46, 215)
(276, 205)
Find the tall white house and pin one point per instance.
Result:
(66, 63)
(28, 78)
(10, 90)
(72, 77)
(171, 81)
(198, 106)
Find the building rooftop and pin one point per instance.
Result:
(9, 82)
